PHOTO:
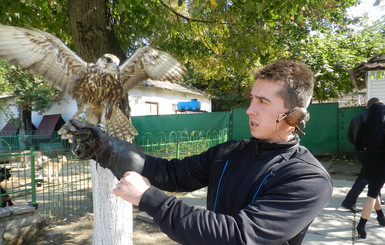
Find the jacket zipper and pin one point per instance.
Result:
(219, 185)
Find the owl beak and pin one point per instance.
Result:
(115, 66)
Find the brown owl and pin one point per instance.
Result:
(97, 88)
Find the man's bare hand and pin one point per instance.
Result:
(131, 187)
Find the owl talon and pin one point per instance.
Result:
(81, 117)
(67, 131)
(101, 126)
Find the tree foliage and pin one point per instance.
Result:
(221, 41)
(30, 93)
(331, 53)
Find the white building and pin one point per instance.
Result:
(161, 98)
(147, 98)
(370, 75)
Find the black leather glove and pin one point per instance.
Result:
(90, 142)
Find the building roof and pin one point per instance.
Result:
(49, 124)
(358, 73)
(9, 129)
(172, 86)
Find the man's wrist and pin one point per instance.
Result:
(152, 199)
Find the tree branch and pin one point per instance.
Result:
(188, 18)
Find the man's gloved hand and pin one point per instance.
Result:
(90, 142)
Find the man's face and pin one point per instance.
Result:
(265, 107)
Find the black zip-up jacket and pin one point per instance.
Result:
(258, 193)
(355, 124)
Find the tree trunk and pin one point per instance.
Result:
(92, 29)
(25, 121)
(112, 215)
(92, 32)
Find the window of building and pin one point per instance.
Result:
(152, 108)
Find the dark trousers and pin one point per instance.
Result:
(358, 186)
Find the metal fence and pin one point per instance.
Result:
(21, 184)
(49, 177)
(11, 141)
(44, 174)
(179, 144)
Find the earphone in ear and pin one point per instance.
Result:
(296, 117)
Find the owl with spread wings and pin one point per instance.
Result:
(97, 88)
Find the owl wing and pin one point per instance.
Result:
(150, 62)
(43, 54)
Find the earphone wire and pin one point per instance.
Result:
(276, 126)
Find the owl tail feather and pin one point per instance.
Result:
(120, 126)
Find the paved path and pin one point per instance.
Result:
(336, 225)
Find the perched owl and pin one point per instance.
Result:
(97, 88)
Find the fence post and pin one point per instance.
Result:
(177, 149)
(19, 143)
(33, 180)
(230, 126)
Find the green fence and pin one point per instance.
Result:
(179, 144)
(322, 129)
(64, 188)
(181, 122)
(325, 132)
(13, 142)
(17, 180)
(345, 115)
(60, 186)
(48, 178)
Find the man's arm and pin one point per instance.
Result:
(188, 174)
(293, 198)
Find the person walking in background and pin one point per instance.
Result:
(359, 185)
(370, 141)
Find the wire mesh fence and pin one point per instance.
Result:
(11, 141)
(179, 144)
(64, 188)
(17, 185)
(44, 173)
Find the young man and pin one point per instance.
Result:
(264, 190)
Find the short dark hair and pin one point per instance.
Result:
(297, 78)
(372, 101)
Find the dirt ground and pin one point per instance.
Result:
(80, 231)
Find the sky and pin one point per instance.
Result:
(366, 6)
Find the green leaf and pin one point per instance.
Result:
(377, 3)
(59, 8)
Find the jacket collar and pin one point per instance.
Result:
(263, 147)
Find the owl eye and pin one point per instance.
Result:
(108, 59)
